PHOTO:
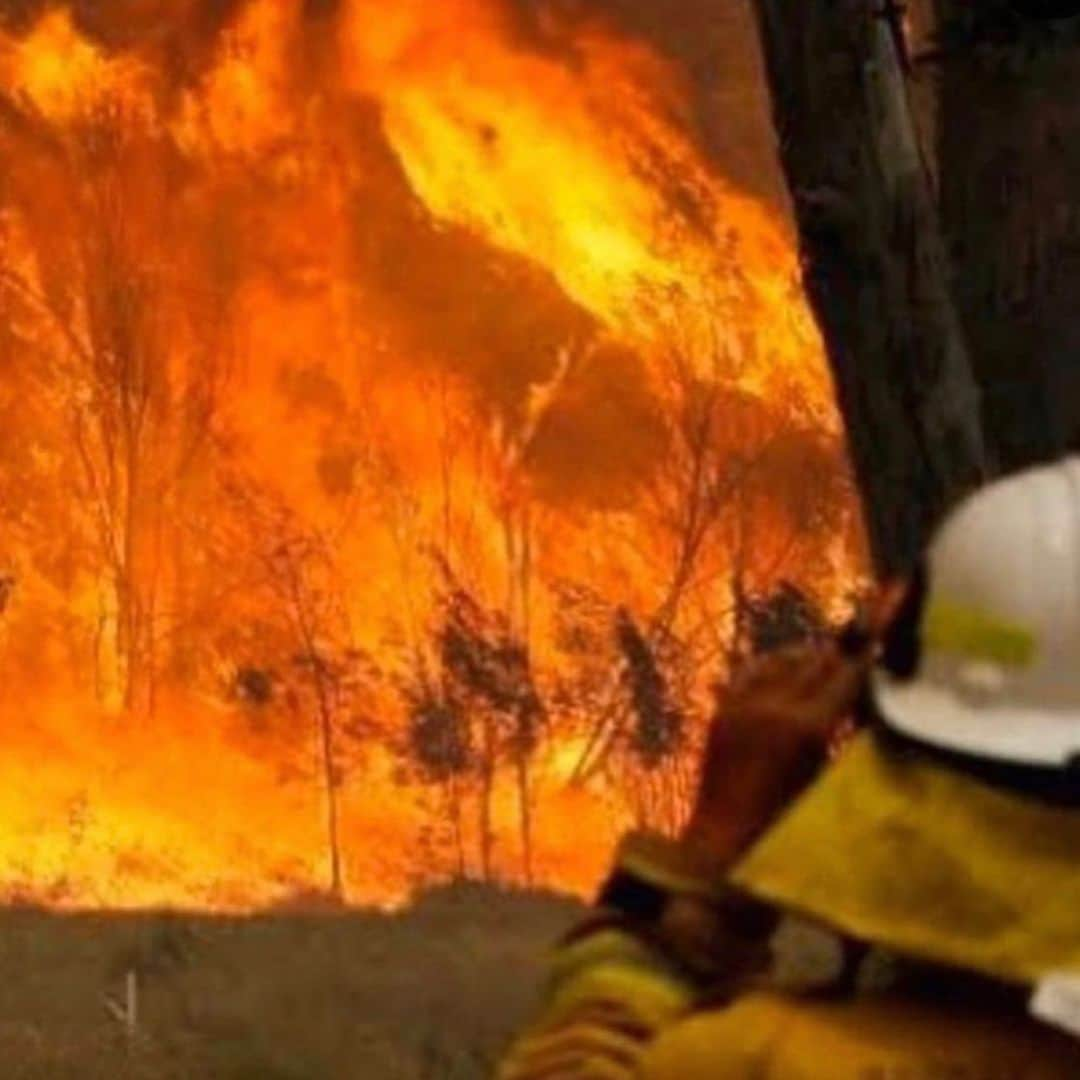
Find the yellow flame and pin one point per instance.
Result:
(577, 158)
(64, 75)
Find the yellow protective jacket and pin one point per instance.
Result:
(920, 861)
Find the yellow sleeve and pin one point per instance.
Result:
(618, 982)
(609, 994)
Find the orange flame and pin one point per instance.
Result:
(62, 74)
(307, 322)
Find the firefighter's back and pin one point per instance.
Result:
(773, 1037)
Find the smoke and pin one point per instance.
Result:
(603, 436)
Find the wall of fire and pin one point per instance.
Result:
(404, 409)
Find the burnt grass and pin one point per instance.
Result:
(429, 993)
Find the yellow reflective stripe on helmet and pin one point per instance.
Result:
(956, 628)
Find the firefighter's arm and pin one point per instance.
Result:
(667, 928)
(663, 932)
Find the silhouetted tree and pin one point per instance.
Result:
(134, 360)
(652, 766)
(785, 617)
(658, 723)
(440, 743)
(491, 672)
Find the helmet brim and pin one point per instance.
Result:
(1011, 733)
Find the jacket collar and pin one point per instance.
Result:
(902, 851)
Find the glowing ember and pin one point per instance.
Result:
(364, 372)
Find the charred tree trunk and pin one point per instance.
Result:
(487, 795)
(874, 263)
(525, 814)
(330, 781)
(518, 537)
(1009, 151)
(453, 802)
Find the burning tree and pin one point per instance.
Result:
(654, 754)
(299, 650)
(94, 243)
(489, 674)
(440, 745)
(657, 774)
(746, 489)
(292, 564)
(425, 285)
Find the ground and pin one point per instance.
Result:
(430, 993)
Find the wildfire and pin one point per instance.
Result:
(365, 369)
(62, 74)
(579, 174)
(242, 105)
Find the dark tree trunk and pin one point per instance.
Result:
(874, 264)
(486, 795)
(1009, 152)
(330, 781)
(525, 814)
(453, 802)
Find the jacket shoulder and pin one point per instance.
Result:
(770, 1037)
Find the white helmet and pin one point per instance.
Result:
(999, 669)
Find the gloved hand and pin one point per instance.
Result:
(768, 741)
(772, 734)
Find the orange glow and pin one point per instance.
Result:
(310, 325)
(62, 74)
(242, 105)
(559, 174)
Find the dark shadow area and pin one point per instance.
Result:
(430, 992)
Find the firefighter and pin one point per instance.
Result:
(909, 911)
